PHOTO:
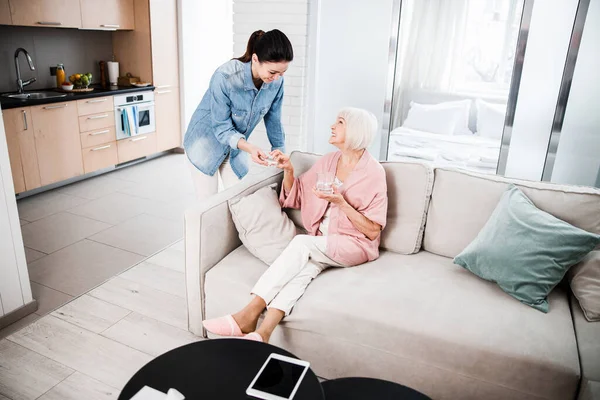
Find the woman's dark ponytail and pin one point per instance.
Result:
(250, 46)
(272, 46)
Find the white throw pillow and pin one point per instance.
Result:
(490, 119)
(447, 118)
(263, 227)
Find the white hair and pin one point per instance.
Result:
(361, 127)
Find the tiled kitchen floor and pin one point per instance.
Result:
(77, 237)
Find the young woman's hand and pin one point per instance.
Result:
(334, 198)
(283, 161)
(258, 156)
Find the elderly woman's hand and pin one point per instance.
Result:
(334, 198)
(283, 161)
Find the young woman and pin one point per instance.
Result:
(344, 228)
(241, 93)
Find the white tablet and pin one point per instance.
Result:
(278, 379)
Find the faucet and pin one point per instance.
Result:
(20, 82)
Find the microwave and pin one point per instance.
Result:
(134, 114)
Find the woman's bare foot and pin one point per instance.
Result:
(246, 322)
(247, 318)
(272, 319)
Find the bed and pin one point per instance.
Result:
(471, 152)
(448, 130)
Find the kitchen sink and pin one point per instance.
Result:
(34, 95)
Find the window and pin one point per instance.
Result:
(490, 40)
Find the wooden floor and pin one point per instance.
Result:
(89, 348)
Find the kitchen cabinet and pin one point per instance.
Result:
(165, 72)
(95, 105)
(15, 122)
(136, 147)
(96, 121)
(107, 14)
(151, 52)
(165, 55)
(18, 124)
(97, 137)
(168, 124)
(56, 132)
(99, 157)
(5, 18)
(132, 48)
(50, 13)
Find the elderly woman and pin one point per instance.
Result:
(344, 227)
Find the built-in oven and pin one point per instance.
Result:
(134, 114)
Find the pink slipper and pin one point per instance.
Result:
(254, 336)
(223, 326)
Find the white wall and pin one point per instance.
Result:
(205, 42)
(547, 45)
(290, 17)
(578, 156)
(15, 290)
(350, 42)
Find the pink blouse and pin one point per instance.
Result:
(365, 189)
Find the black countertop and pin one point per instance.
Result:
(7, 102)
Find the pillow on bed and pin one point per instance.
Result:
(490, 119)
(448, 118)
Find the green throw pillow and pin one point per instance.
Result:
(525, 250)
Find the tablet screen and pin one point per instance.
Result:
(279, 378)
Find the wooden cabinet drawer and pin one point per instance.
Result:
(97, 137)
(98, 157)
(96, 121)
(95, 106)
(136, 147)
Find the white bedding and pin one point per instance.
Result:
(470, 152)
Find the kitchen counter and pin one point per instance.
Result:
(7, 102)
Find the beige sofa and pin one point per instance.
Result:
(412, 316)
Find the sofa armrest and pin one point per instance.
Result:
(210, 235)
(588, 345)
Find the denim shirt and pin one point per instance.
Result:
(229, 111)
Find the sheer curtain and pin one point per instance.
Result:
(431, 38)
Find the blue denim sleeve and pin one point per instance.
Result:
(220, 112)
(273, 124)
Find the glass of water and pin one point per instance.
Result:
(325, 182)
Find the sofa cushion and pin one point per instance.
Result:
(423, 311)
(584, 279)
(525, 250)
(263, 228)
(461, 204)
(409, 189)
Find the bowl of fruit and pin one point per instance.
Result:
(81, 81)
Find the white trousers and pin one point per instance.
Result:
(287, 278)
(207, 186)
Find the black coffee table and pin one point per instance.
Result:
(367, 388)
(213, 369)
